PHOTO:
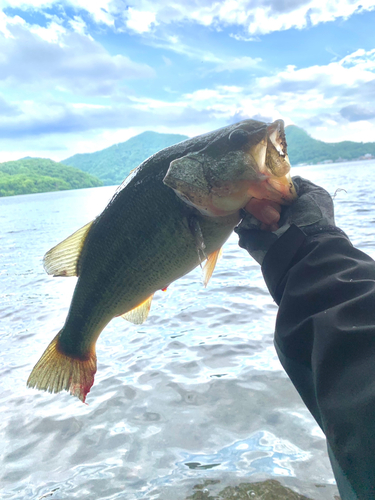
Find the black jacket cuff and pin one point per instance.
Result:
(280, 256)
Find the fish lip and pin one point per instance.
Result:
(284, 187)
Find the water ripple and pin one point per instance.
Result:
(194, 394)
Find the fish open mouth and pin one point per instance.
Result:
(276, 134)
(277, 165)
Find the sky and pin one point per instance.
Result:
(77, 76)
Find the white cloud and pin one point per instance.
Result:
(139, 21)
(78, 25)
(101, 11)
(62, 56)
(252, 16)
(334, 101)
(174, 43)
(54, 58)
(243, 38)
(53, 33)
(357, 112)
(230, 88)
(6, 22)
(336, 79)
(302, 96)
(260, 17)
(8, 109)
(149, 104)
(24, 4)
(203, 95)
(243, 63)
(361, 60)
(45, 117)
(325, 99)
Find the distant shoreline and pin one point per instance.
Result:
(330, 162)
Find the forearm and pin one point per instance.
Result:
(325, 337)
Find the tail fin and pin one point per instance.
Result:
(56, 372)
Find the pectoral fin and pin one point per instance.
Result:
(62, 259)
(210, 264)
(139, 314)
(197, 234)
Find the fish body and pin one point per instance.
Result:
(166, 218)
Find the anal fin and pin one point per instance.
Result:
(210, 264)
(139, 314)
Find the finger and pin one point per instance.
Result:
(265, 211)
(256, 204)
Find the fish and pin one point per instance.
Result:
(172, 213)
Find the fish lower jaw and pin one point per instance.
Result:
(278, 189)
(284, 188)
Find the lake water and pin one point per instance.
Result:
(192, 401)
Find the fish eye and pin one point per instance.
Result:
(239, 137)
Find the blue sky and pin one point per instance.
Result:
(78, 76)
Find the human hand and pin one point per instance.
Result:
(263, 226)
(265, 211)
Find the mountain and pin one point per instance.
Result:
(113, 164)
(110, 166)
(39, 175)
(304, 149)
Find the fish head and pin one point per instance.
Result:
(243, 161)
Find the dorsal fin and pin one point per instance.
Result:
(210, 264)
(62, 259)
(139, 314)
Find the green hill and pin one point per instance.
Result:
(113, 164)
(304, 149)
(39, 175)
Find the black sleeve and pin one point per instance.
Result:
(325, 339)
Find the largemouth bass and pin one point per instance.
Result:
(173, 212)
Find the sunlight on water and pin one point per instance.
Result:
(194, 394)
